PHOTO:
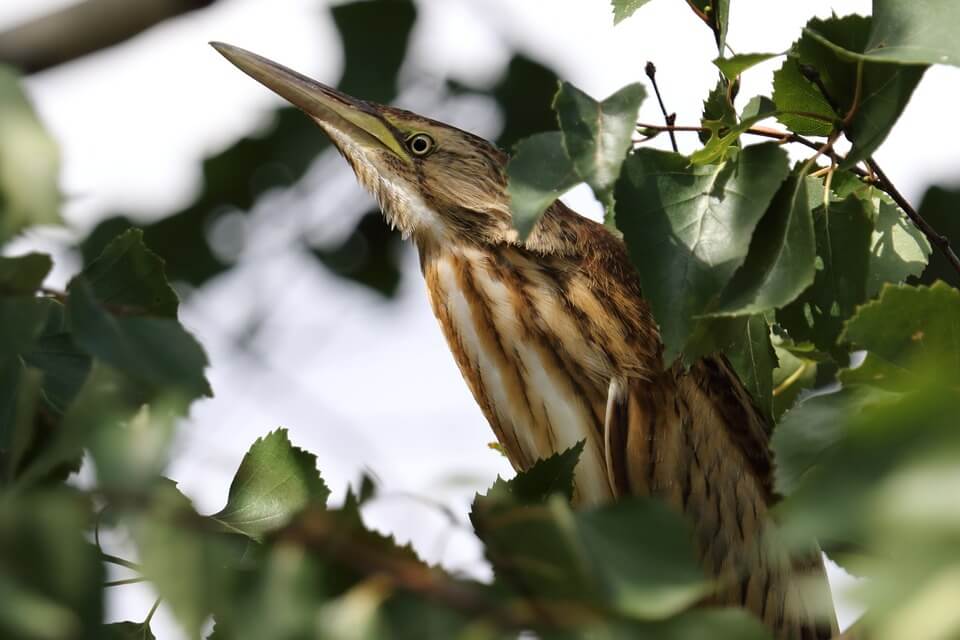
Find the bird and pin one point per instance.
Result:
(557, 345)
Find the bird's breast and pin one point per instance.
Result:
(531, 368)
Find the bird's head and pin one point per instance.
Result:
(432, 181)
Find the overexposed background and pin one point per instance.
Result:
(368, 384)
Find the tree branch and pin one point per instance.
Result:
(83, 28)
(883, 182)
(774, 134)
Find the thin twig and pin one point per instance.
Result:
(670, 119)
(882, 181)
(774, 134)
(933, 236)
(106, 557)
(153, 610)
(120, 583)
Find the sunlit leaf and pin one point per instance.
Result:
(911, 326)
(623, 9)
(898, 249)
(718, 144)
(688, 228)
(735, 65)
(597, 135)
(274, 481)
(884, 89)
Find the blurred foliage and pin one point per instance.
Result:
(787, 271)
(29, 163)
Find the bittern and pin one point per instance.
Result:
(554, 339)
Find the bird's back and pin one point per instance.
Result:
(558, 346)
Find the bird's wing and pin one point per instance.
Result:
(694, 438)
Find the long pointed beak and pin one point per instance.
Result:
(326, 105)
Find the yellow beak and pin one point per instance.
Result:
(324, 104)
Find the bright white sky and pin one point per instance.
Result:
(370, 385)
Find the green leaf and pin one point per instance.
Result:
(29, 163)
(794, 95)
(275, 480)
(733, 66)
(718, 13)
(129, 277)
(64, 365)
(641, 548)
(759, 108)
(184, 558)
(898, 249)
(795, 374)
(910, 33)
(745, 341)
(127, 631)
(911, 327)
(843, 233)
(941, 208)
(539, 172)
(597, 135)
(23, 274)
(51, 583)
(781, 261)
(623, 9)
(884, 91)
(718, 111)
(19, 395)
(811, 428)
(156, 352)
(547, 477)
(688, 228)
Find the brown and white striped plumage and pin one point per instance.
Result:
(556, 343)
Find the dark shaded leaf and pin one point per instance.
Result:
(128, 276)
(843, 235)
(23, 274)
(941, 208)
(156, 352)
(51, 582)
(275, 480)
(127, 631)
(539, 172)
(745, 341)
(688, 228)
(781, 261)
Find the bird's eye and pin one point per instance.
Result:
(420, 144)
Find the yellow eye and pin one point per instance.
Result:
(420, 144)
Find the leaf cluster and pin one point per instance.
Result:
(803, 277)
